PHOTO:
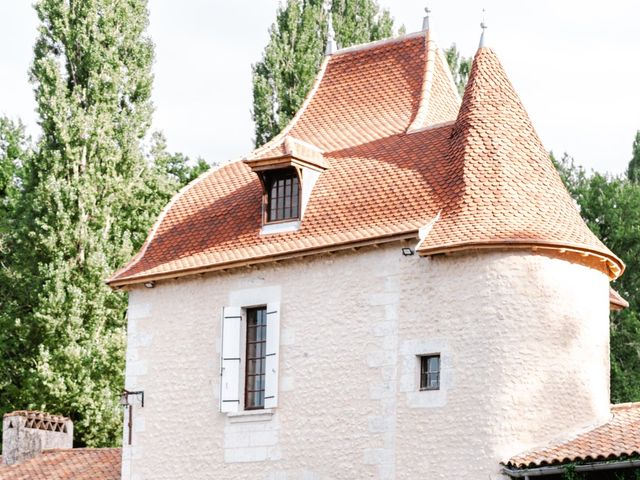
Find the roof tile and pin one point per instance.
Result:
(383, 117)
(67, 464)
(619, 437)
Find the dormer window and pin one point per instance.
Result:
(282, 195)
(288, 170)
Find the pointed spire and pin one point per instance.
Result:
(483, 26)
(425, 20)
(332, 46)
(508, 191)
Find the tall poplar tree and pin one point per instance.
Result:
(14, 150)
(295, 51)
(460, 67)
(633, 171)
(88, 199)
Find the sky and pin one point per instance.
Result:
(573, 63)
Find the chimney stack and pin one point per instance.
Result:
(26, 434)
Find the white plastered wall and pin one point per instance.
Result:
(523, 340)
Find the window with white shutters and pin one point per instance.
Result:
(250, 351)
(272, 354)
(231, 359)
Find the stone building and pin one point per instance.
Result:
(39, 446)
(397, 286)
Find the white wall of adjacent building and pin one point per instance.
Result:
(523, 340)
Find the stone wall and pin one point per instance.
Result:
(523, 340)
(25, 434)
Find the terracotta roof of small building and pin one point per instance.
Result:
(616, 301)
(67, 464)
(383, 117)
(619, 437)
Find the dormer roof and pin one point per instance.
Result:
(290, 151)
(385, 121)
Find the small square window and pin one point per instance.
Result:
(430, 372)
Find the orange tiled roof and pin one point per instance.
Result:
(619, 437)
(505, 190)
(67, 464)
(382, 116)
(616, 301)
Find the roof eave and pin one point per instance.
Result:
(578, 253)
(538, 471)
(271, 258)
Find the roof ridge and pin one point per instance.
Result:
(378, 43)
(433, 53)
(449, 74)
(624, 406)
(278, 139)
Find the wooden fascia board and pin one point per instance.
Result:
(283, 161)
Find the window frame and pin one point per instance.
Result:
(248, 311)
(426, 375)
(233, 355)
(268, 177)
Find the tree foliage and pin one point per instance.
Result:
(460, 67)
(292, 58)
(633, 171)
(176, 168)
(611, 207)
(14, 150)
(87, 197)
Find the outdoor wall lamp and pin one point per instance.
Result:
(124, 401)
(150, 284)
(124, 397)
(407, 252)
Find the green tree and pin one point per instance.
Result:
(14, 150)
(176, 168)
(611, 208)
(460, 67)
(292, 58)
(88, 197)
(633, 171)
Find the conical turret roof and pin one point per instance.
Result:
(504, 190)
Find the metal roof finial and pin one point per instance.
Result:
(425, 20)
(483, 26)
(332, 46)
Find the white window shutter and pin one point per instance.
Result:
(230, 362)
(272, 355)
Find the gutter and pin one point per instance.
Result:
(555, 470)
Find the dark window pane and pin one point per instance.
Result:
(280, 206)
(283, 198)
(430, 372)
(255, 358)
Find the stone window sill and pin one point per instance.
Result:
(280, 227)
(250, 416)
